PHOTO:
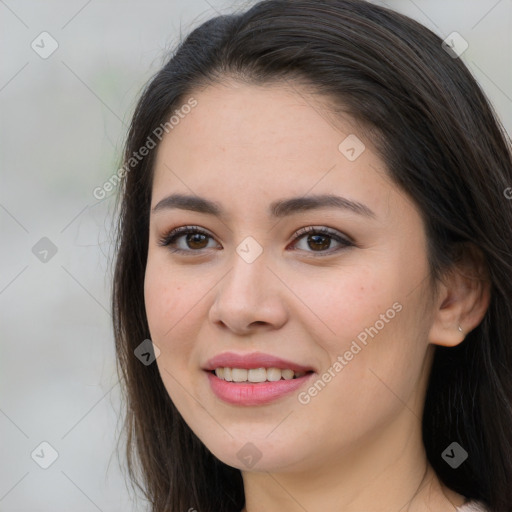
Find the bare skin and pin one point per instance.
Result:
(355, 445)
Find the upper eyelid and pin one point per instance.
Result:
(298, 234)
(180, 231)
(326, 229)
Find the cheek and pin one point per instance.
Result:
(169, 300)
(343, 303)
(166, 298)
(366, 315)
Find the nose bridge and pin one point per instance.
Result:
(248, 278)
(247, 294)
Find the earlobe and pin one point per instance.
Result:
(446, 336)
(463, 299)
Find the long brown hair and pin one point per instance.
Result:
(443, 145)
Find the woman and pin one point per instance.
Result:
(314, 234)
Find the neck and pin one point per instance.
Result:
(388, 472)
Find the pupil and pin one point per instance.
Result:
(193, 238)
(316, 238)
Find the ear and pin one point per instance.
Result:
(464, 294)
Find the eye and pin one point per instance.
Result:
(189, 239)
(320, 238)
(194, 239)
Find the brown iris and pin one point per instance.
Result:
(196, 238)
(316, 240)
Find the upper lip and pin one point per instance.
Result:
(252, 360)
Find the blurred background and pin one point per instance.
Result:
(70, 75)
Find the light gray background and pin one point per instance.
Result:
(63, 122)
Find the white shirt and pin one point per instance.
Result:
(472, 506)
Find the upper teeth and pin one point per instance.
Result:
(256, 374)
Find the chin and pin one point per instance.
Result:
(257, 454)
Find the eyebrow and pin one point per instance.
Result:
(278, 209)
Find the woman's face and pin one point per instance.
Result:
(347, 309)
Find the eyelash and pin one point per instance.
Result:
(171, 237)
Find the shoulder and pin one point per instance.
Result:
(472, 506)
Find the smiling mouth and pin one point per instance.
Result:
(256, 375)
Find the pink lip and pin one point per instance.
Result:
(253, 360)
(252, 393)
(248, 393)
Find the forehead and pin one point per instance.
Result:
(255, 143)
(281, 117)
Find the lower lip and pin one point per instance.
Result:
(249, 393)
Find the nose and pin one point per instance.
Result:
(249, 297)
